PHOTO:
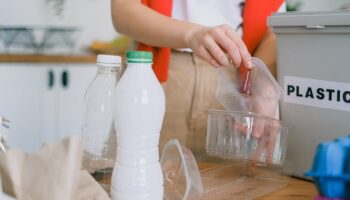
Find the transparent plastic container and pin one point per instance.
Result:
(254, 145)
(182, 180)
(256, 91)
(98, 132)
(236, 135)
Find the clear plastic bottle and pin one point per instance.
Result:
(100, 142)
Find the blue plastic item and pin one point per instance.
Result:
(331, 168)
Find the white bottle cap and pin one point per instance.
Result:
(109, 60)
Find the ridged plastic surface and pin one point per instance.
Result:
(246, 136)
(331, 168)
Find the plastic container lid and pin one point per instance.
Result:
(139, 57)
(181, 174)
(111, 61)
(257, 91)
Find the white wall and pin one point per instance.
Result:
(92, 16)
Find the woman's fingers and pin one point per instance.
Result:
(214, 49)
(223, 44)
(228, 46)
(242, 48)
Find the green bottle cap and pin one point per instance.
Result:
(139, 56)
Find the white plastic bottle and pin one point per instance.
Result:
(139, 108)
(98, 129)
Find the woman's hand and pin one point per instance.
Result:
(219, 46)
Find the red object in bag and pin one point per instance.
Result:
(245, 80)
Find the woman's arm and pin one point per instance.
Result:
(266, 51)
(132, 18)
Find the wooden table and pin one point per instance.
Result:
(297, 189)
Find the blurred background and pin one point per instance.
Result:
(92, 16)
(43, 26)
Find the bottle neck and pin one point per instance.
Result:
(143, 68)
(143, 71)
(141, 65)
(101, 69)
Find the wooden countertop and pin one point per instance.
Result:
(296, 189)
(33, 58)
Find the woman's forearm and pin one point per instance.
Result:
(214, 44)
(132, 18)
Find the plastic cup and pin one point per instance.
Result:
(181, 175)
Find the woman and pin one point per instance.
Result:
(203, 34)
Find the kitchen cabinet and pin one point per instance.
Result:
(70, 97)
(21, 89)
(44, 101)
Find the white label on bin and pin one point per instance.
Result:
(317, 93)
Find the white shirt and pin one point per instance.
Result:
(210, 12)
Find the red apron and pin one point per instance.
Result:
(255, 15)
